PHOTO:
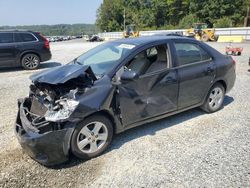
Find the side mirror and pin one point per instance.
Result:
(128, 75)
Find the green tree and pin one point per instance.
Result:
(110, 15)
(223, 22)
(187, 21)
(160, 14)
(217, 9)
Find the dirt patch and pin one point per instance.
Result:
(24, 172)
(9, 157)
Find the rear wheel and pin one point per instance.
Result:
(30, 61)
(215, 98)
(92, 137)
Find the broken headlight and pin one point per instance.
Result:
(62, 110)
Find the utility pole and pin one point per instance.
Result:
(124, 19)
(246, 20)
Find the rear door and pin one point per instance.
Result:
(196, 71)
(8, 51)
(26, 41)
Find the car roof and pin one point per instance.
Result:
(16, 30)
(148, 39)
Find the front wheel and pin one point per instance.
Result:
(92, 137)
(215, 98)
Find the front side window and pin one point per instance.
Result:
(24, 37)
(190, 53)
(151, 60)
(105, 57)
(6, 38)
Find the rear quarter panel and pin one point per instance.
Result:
(225, 70)
(34, 47)
(225, 67)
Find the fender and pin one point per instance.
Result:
(26, 52)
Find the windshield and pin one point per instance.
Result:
(105, 57)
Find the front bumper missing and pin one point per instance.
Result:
(49, 148)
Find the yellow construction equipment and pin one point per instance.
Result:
(131, 31)
(201, 32)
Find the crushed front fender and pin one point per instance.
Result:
(48, 148)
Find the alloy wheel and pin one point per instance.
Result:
(92, 137)
(31, 61)
(215, 98)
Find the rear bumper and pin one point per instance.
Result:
(46, 56)
(49, 148)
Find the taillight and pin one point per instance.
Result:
(46, 42)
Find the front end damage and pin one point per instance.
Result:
(46, 142)
(44, 122)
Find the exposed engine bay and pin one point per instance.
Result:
(52, 102)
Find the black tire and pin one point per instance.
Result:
(209, 106)
(30, 61)
(205, 37)
(78, 137)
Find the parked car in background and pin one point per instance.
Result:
(94, 38)
(66, 38)
(50, 39)
(76, 108)
(23, 48)
(58, 38)
(78, 36)
(169, 34)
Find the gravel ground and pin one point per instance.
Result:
(191, 149)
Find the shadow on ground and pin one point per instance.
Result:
(146, 129)
(42, 66)
(49, 65)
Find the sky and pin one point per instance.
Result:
(49, 12)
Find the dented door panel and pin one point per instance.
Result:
(148, 96)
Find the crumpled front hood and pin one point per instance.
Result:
(62, 74)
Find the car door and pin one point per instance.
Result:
(7, 49)
(25, 41)
(151, 94)
(196, 71)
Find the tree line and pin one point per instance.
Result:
(58, 30)
(170, 14)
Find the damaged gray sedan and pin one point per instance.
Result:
(76, 108)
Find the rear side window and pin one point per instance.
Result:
(24, 37)
(6, 38)
(190, 53)
(204, 55)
